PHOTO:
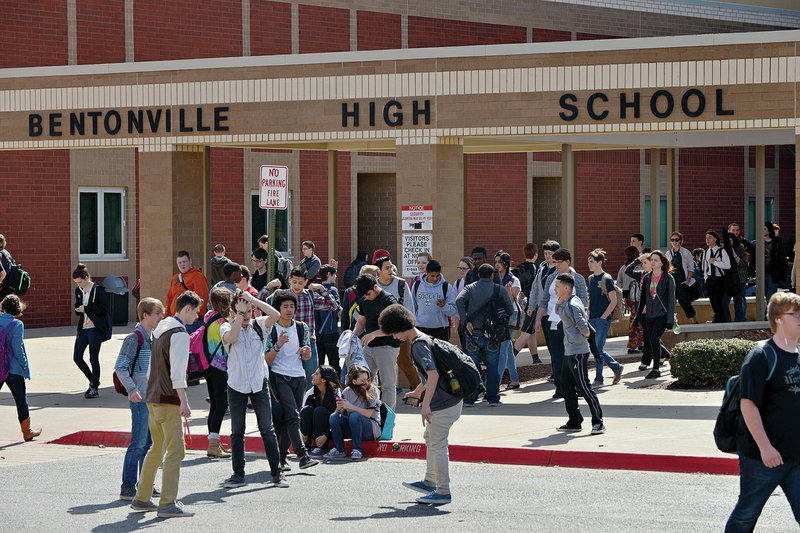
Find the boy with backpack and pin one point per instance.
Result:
(434, 302)
(440, 407)
(604, 305)
(768, 437)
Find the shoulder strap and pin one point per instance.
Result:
(774, 360)
(301, 332)
(139, 344)
(258, 330)
(414, 289)
(401, 284)
(444, 289)
(180, 278)
(273, 335)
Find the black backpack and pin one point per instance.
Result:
(17, 280)
(495, 327)
(273, 333)
(526, 272)
(456, 369)
(726, 427)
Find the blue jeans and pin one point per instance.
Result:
(478, 348)
(756, 485)
(509, 361)
(602, 327)
(237, 403)
(137, 449)
(353, 425)
(311, 365)
(739, 303)
(555, 345)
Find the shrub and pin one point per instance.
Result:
(708, 362)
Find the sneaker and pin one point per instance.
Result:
(156, 493)
(419, 486)
(469, 404)
(569, 428)
(633, 351)
(334, 454)
(317, 453)
(597, 384)
(127, 494)
(495, 404)
(598, 429)
(143, 507)
(536, 360)
(91, 393)
(307, 462)
(557, 396)
(434, 498)
(234, 482)
(617, 375)
(513, 385)
(653, 374)
(357, 455)
(550, 379)
(643, 366)
(285, 467)
(174, 510)
(279, 481)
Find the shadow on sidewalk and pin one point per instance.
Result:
(414, 510)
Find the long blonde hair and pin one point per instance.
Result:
(352, 374)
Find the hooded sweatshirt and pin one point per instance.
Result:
(424, 296)
(168, 361)
(194, 281)
(217, 269)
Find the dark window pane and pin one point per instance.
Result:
(88, 222)
(112, 223)
(260, 225)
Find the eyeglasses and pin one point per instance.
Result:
(796, 315)
(675, 240)
(463, 269)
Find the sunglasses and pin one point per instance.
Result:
(675, 240)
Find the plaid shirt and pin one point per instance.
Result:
(308, 301)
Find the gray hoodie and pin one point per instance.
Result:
(573, 318)
(424, 298)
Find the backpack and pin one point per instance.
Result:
(619, 310)
(387, 422)
(273, 334)
(346, 318)
(199, 357)
(401, 290)
(118, 386)
(456, 369)
(5, 350)
(285, 267)
(526, 272)
(495, 326)
(726, 428)
(351, 274)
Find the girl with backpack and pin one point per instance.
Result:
(216, 378)
(14, 368)
(94, 326)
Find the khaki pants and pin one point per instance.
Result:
(406, 367)
(382, 360)
(437, 431)
(164, 420)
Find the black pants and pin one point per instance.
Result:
(684, 294)
(326, 348)
(16, 384)
(217, 383)
(315, 422)
(715, 287)
(653, 330)
(93, 339)
(289, 393)
(261, 406)
(438, 333)
(575, 381)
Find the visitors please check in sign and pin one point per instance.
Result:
(413, 245)
(273, 187)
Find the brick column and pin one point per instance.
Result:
(433, 174)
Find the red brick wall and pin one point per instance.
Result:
(345, 253)
(101, 31)
(593, 36)
(607, 202)
(324, 29)
(42, 178)
(33, 33)
(184, 29)
(769, 157)
(270, 28)
(786, 186)
(544, 36)
(313, 203)
(424, 32)
(497, 203)
(378, 31)
(227, 195)
(710, 191)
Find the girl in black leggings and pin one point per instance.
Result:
(216, 379)
(656, 307)
(320, 403)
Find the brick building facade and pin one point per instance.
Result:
(510, 198)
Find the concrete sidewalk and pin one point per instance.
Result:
(639, 420)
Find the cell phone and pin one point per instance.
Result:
(413, 402)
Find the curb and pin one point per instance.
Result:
(685, 464)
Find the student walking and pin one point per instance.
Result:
(602, 302)
(12, 333)
(94, 326)
(656, 308)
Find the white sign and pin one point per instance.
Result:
(413, 245)
(417, 217)
(274, 187)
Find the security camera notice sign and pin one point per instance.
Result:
(413, 245)
(416, 217)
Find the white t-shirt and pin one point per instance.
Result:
(288, 361)
(247, 368)
(552, 315)
(87, 322)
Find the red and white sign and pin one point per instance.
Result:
(417, 217)
(274, 187)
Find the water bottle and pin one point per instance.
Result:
(455, 386)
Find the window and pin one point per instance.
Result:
(101, 224)
(662, 214)
(260, 225)
(751, 216)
